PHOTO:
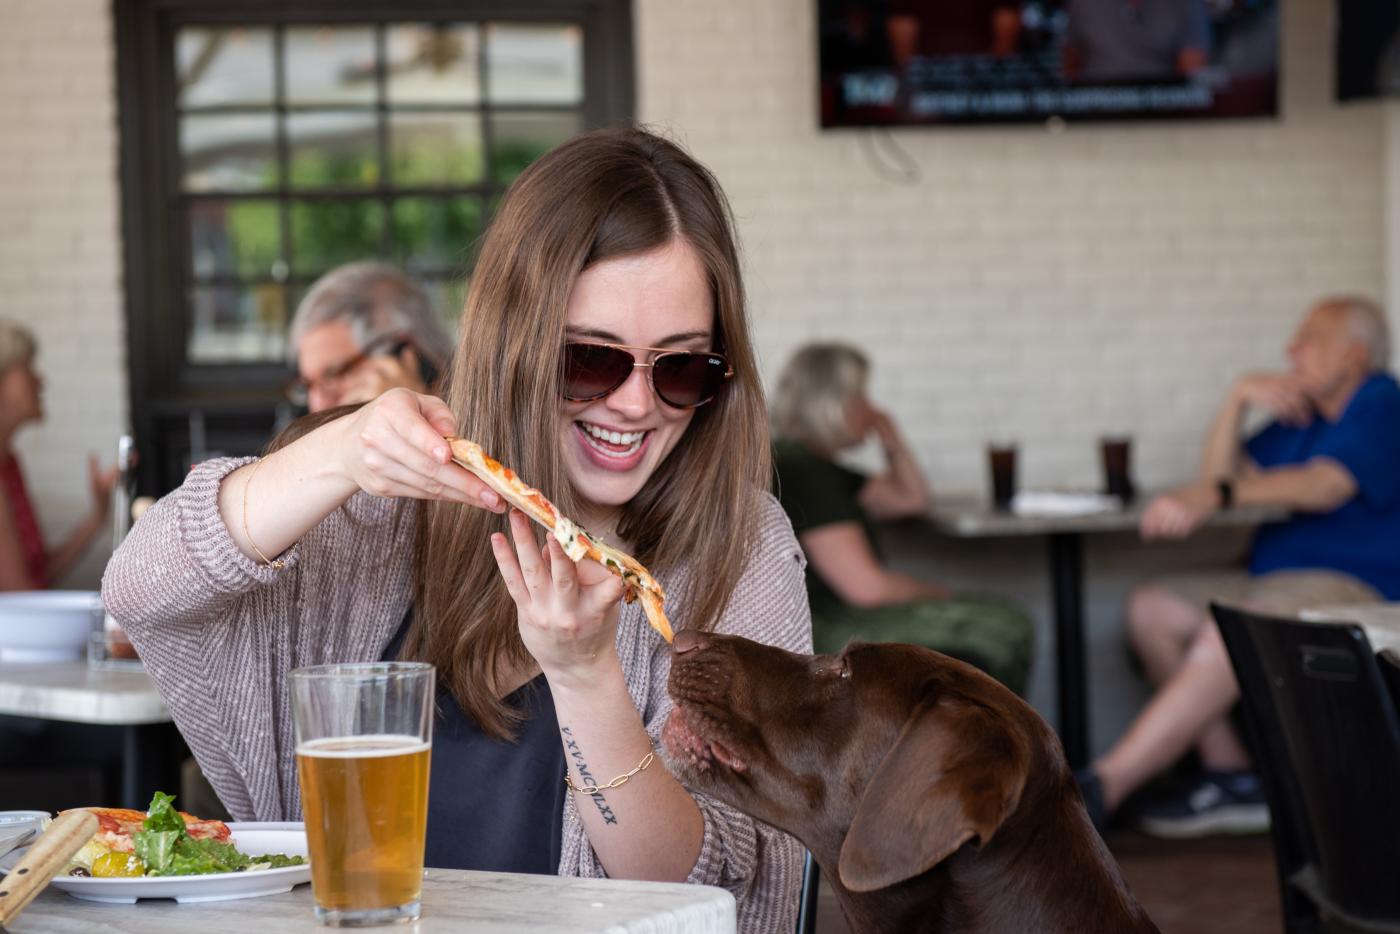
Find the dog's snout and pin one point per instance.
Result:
(688, 640)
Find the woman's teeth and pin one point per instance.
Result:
(597, 437)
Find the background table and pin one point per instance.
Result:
(453, 900)
(124, 700)
(1064, 535)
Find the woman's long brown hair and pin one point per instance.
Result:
(600, 196)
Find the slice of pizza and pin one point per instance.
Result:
(115, 827)
(572, 537)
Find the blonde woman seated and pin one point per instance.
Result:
(821, 408)
(27, 562)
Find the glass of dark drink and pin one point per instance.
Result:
(1117, 452)
(1001, 460)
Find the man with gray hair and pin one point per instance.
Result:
(1331, 456)
(364, 328)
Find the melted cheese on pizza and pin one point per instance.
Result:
(116, 825)
(566, 532)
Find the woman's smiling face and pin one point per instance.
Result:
(612, 445)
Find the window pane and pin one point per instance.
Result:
(233, 152)
(329, 65)
(332, 149)
(238, 324)
(517, 139)
(235, 238)
(328, 233)
(223, 66)
(435, 149)
(448, 296)
(433, 64)
(435, 233)
(534, 63)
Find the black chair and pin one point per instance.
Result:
(1326, 734)
(1390, 669)
(807, 906)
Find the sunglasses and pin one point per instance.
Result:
(683, 379)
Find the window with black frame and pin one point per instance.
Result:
(304, 147)
(269, 145)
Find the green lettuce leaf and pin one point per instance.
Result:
(275, 861)
(200, 857)
(156, 848)
(161, 815)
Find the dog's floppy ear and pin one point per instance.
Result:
(955, 772)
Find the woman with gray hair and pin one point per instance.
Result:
(362, 329)
(821, 408)
(25, 562)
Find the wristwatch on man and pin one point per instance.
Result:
(1226, 487)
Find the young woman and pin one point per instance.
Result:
(26, 563)
(821, 408)
(605, 311)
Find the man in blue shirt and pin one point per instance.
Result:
(1331, 454)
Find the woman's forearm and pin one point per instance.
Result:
(647, 828)
(270, 504)
(901, 588)
(891, 588)
(904, 470)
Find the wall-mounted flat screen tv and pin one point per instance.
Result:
(898, 62)
(1368, 48)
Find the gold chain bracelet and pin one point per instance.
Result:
(615, 783)
(247, 485)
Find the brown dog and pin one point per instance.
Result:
(933, 798)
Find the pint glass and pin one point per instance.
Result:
(363, 739)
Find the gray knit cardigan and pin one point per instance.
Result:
(219, 633)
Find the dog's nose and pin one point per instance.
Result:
(688, 639)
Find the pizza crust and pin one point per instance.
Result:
(573, 538)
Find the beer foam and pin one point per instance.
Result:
(363, 747)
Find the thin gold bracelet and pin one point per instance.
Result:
(615, 783)
(277, 565)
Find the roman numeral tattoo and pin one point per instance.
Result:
(571, 747)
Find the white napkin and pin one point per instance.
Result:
(1054, 503)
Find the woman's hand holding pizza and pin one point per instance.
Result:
(567, 612)
(394, 446)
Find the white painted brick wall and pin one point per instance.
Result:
(60, 248)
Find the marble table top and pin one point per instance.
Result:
(968, 517)
(453, 900)
(73, 691)
(1381, 621)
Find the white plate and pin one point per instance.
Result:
(251, 838)
(47, 625)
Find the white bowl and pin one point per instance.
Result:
(48, 625)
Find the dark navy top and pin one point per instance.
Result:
(1362, 536)
(494, 805)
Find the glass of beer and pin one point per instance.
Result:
(363, 739)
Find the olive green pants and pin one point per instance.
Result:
(992, 633)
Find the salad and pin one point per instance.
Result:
(164, 843)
